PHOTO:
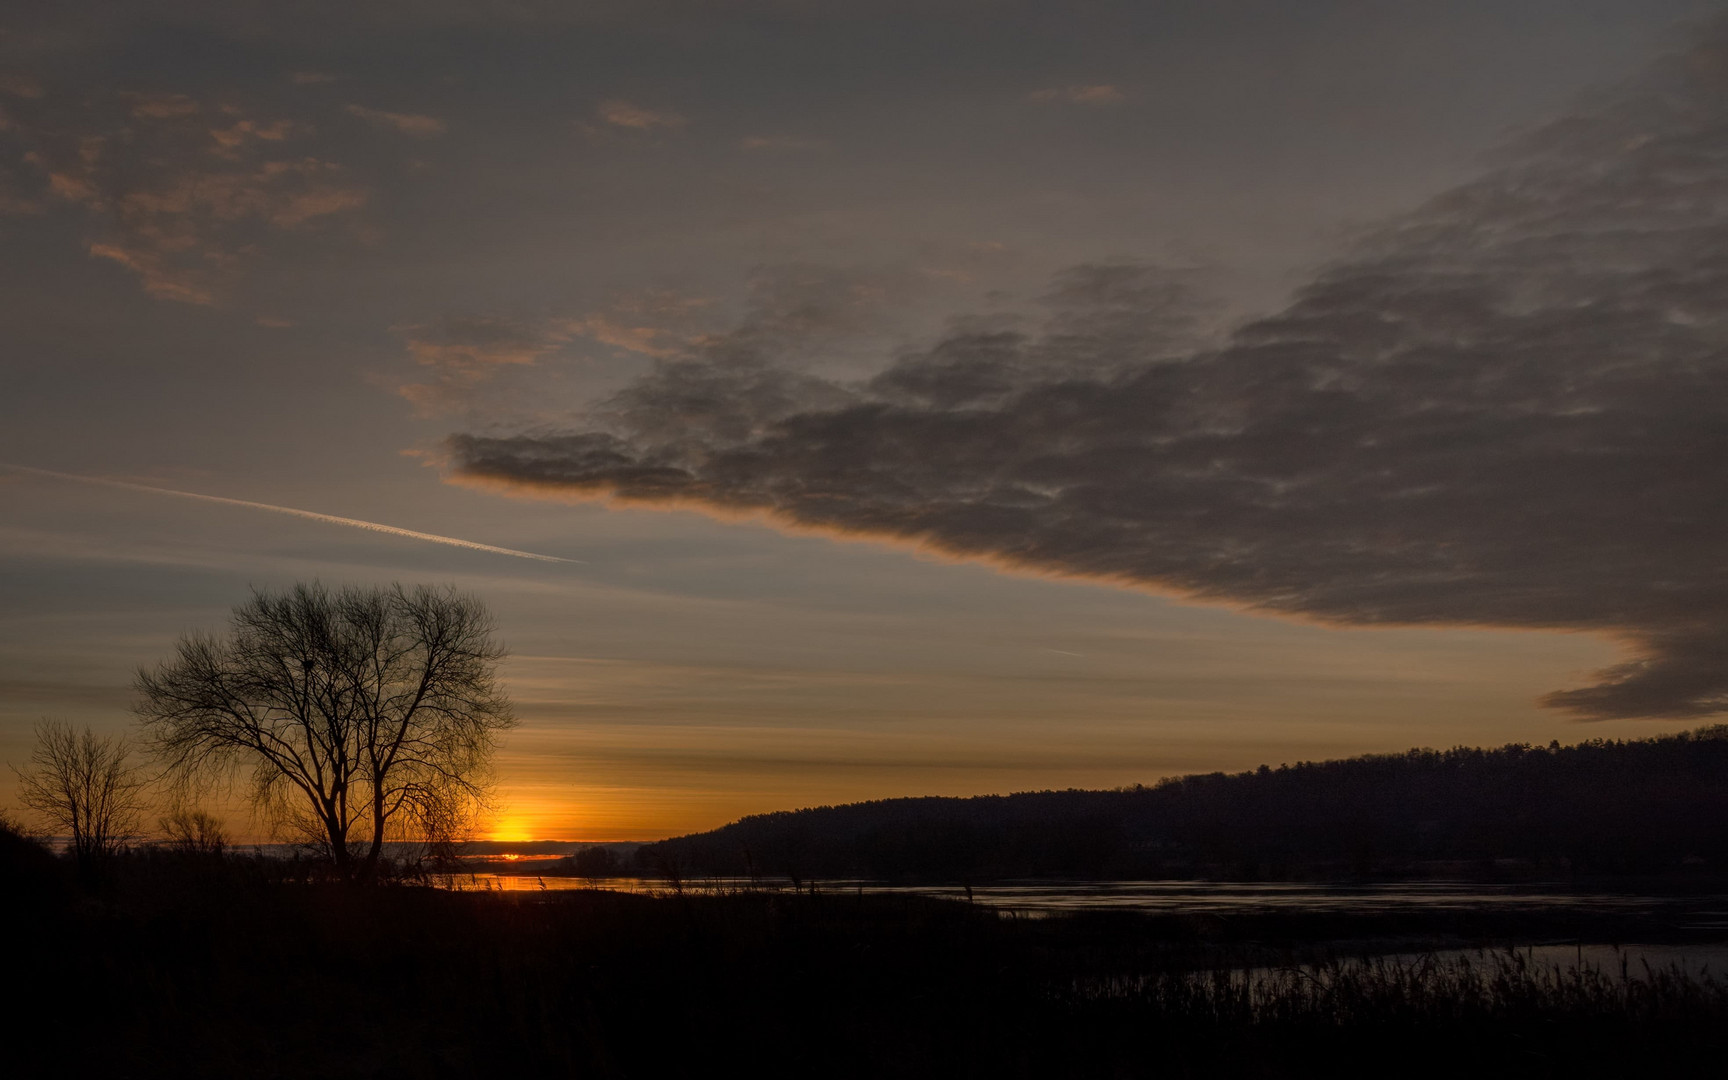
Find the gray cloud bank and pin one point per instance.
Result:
(1507, 409)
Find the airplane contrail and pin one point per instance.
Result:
(309, 515)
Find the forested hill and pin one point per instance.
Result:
(1635, 807)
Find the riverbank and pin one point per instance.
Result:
(218, 967)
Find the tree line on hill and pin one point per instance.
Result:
(1601, 807)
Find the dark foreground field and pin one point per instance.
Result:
(181, 966)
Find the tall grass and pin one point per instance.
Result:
(1428, 989)
(218, 966)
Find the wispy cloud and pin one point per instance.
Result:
(17, 84)
(159, 279)
(412, 124)
(463, 355)
(481, 343)
(1094, 94)
(243, 131)
(625, 114)
(653, 322)
(1507, 409)
(161, 106)
(779, 142)
(179, 191)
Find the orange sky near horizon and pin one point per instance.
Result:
(266, 269)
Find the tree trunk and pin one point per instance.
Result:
(339, 848)
(376, 850)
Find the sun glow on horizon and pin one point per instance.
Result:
(511, 830)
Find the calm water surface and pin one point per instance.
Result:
(1172, 897)
(1707, 916)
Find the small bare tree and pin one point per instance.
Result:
(363, 715)
(86, 786)
(193, 832)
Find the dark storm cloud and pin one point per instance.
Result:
(723, 388)
(800, 315)
(1508, 409)
(1100, 320)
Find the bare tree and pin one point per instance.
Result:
(86, 786)
(363, 715)
(192, 831)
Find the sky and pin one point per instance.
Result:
(860, 399)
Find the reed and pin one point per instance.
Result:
(190, 964)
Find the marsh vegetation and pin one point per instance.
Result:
(195, 963)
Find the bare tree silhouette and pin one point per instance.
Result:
(193, 832)
(363, 715)
(86, 786)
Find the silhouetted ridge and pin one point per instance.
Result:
(1599, 807)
